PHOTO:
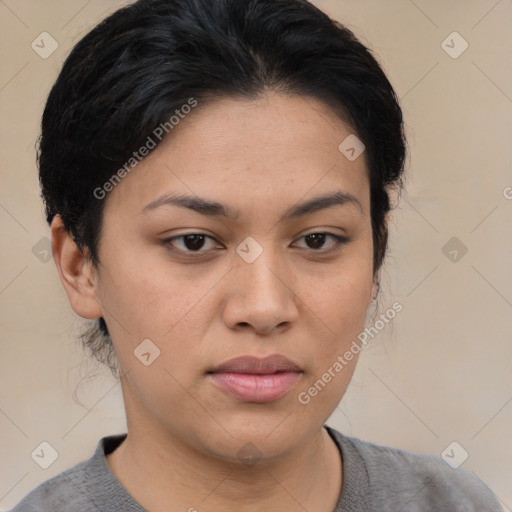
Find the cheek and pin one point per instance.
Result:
(139, 292)
(144, 299)
(339, 302)
(341, 296)
(339, 317)
(151, 319)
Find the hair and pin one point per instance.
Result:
(131, 72)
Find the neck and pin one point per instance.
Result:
(162, 473)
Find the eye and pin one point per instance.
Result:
(197, 243)
(316, 241)
(190, 242)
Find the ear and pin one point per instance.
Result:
(374, 290)
(76, 272)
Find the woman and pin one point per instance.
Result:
(217, 177)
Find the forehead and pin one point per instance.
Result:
(252, 152)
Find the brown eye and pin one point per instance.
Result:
(193, 242)
(190, 243)
(316, 241)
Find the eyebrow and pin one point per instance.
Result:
(215, 209)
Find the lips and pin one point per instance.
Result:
(252, 379)
(254, 365)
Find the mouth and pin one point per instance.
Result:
(252, 379)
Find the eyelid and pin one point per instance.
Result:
(169, 240)
(340, 240)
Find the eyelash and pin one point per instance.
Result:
(338, 239)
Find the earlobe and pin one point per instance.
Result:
(375, 290)
(76, 272)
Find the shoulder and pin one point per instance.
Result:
(76, 488)
(402, 480)
(56, 493)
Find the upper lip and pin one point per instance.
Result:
(255, 365)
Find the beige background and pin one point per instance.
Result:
(440, 374)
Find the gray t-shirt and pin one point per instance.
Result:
(375, 479)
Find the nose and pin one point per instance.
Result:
(261, 295)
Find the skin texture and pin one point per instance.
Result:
(305, 301)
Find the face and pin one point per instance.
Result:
(245, 233)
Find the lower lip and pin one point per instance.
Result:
(256, 387)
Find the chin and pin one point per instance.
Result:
(263, 439)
